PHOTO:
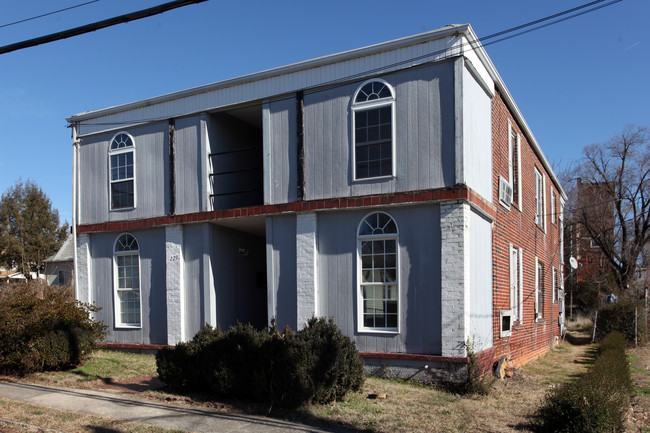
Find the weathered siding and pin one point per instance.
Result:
(281, 270)
(280, 154)
(419, 267)
(151, 179)
(152, 286)
(189, 165)
(480, 282)
(477, 136)
(424, 130)
(195, 245)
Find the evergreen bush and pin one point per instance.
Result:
(44, 328)
(317, 364)
(597, 401)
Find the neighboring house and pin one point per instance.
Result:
(11, 277)
(396, 188)
(59, 268)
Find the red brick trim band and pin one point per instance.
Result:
(365, 355)
(414, 357)
(433, 195)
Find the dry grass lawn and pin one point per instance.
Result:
(509, 407)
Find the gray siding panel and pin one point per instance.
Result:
(480, 281)
(188, 166)
(419, 255)
(424, 130)
(194, 245)
(282, 158)
(151, 179)
(281, 261)
(152, 286)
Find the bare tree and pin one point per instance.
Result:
(616, 212)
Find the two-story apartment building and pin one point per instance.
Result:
(396, 188)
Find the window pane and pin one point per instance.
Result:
(366, 246)
(378, 247)
(391, 321)
(360, 119)
(379, 261)
(391, 292)
(366, 276)
(390, 246)
(391, 275)
(366, 262)
(390, 260)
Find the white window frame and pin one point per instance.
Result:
(113, 152)
(553, 201)
(515, 267)
(117, 290)
(540, 202)
(360, 299)
(514, 147)
(538, 290)
(371, 105)
(521, 285)
(553, 284)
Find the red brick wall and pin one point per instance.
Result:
(516, 226)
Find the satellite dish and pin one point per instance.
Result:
(573, 262)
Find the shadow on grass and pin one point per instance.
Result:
(578, 339)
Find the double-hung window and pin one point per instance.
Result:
(373, 129)
(514, 164)
(126, 281)
(540, 204)
(121, 156)
(378, 274)
(539, 289)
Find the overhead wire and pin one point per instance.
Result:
(47, 14)
(579, 10)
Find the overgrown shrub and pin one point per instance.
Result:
(617, 317)
(44, 328)
(317, 364)
(597, 401)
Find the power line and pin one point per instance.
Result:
(98, 25)
(443, 51)
(47, 14)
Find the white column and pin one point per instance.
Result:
(454, 228)
(175, 289)
(82, 269)
(306, 267)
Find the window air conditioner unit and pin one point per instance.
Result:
(505, 192)
(505, 320)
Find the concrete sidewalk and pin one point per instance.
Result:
(147, 412)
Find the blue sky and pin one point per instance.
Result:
(576, 83)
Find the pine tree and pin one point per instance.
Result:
(29, 227)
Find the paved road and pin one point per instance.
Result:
(146, 412)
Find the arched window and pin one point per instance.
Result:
(121, 155)
(126, 281)
(378, 273)
(373, 130)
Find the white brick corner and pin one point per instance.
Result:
(82, 269)
(306, 267)
(454, 228)
(174, 280)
